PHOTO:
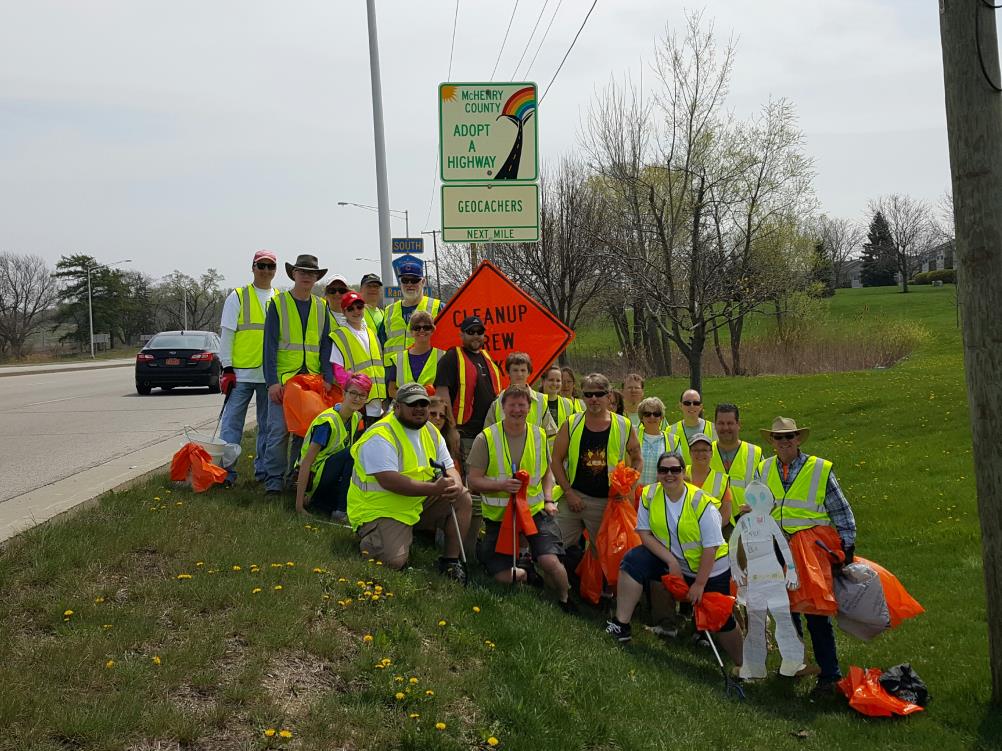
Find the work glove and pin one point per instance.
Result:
(850, 551)
(228, 380)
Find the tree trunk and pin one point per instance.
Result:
(655, 346)
(736, 327)
(666, 348)
(695, 358)
(720, 352)
(974, 125)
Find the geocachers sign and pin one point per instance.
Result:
(487, 131)
(497, 213)
(514, 321)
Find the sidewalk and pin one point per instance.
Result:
(64, 367)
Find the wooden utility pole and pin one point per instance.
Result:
(974, 122)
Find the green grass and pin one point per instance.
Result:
(234, 663)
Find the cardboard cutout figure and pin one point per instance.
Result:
(762, 584)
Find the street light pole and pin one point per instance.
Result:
(382, 189)
(90, 298)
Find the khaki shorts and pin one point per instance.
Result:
(389, 540)
(572, 523)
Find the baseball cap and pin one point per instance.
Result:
(700, 437)
(369, 278)
(410, 268)
(265, 255)
(471, 322)
(349, 297)
(336, 280)
(410, 393)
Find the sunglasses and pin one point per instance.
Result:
(692, 403)
(423, 327)
(652, 414)
(593, 394)
(337, 291)
(674, 470)
(356, 306)
(785, 436)
(420, 404)
(410, 279)
(475, 332)
(265, 266)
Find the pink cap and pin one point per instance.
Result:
(361, 381)
(266, 255)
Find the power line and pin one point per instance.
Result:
(541, 41)
(505, 40)
(452, 47)
(573, 42)
(528, 43)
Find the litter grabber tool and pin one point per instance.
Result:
(440, 472)
(730, 685)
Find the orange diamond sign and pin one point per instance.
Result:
(515, 322)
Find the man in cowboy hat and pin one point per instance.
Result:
(296, 340)
(807, 496)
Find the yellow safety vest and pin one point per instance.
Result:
(395, 327)
(686, 534)
(367, 500)
(534, 460)
(373, 317)
(248, 341)
(803, 505)
(615, 449)
(340, 439)
(358, 360)
(295, 354)
(682, 443)
(714, 486)
(743, 469)
(426, 377)
(537, 408)
(565, 408)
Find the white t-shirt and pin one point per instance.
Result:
(709, 531)
(374, 407)
(228, 323)
(379, 455)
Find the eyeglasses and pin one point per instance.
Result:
(692, 403)
(420, 404)
(337, 291)
(785, 436)
(674, 470)
(265, 266)
(356, 306)
(410, 279)
(652, 414)
(475, 332)
(594, 394)
(423, 327)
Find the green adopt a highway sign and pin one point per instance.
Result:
(493, 213)
(488, 132)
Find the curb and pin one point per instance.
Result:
(51, 371)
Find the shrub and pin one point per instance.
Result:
(947, 276)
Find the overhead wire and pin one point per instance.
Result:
(535, 26)
(566, 54)
(977, 42)
(448, 77)
(543, 39)
(505, 40)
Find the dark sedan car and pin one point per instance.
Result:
(179, 358)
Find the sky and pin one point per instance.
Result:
(187, 135)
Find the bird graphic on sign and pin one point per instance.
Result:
(518, 109)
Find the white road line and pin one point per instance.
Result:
(52, 401)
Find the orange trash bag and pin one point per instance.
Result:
(816, 594)
(589, 571)
(193, 461)
(304, 398)
(712, 611)
(517, 518)
(676, 586)
(900, 604)
(865, 694)
(617, 534)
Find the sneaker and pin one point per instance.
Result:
(662, 632)
(824, 686)
(699, 639)
(339, 517)
(618, 631)
(452, 569)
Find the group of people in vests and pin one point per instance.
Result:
(426, 439)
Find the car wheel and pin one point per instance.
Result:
(214, 384)
(144, 389)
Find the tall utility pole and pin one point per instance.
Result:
(438, 276)
(382, 189)
(974, 123)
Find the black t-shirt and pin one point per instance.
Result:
(484, 395)
(592, 474)
(554, 409)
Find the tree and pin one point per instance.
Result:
(909, 227)
(27, 292)
(878, 254)
(181, 302)
(822, 271)
(842, 239)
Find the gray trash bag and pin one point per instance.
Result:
(231, 452)
(903, 682)
(862, 607)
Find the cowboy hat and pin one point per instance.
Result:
(305, 262)
(785, 425)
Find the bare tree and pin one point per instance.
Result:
(842, 238)
(27, 291)
(911, 227)
(183, 302)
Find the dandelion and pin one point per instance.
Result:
(276, 565)
(106, 626)
(278, 587)
(379, 563)
(236, 568)
(360, 584)
(442, 624)
(255, 590)
(179, 503)
(269, 733)
(155, 660)
(378, 589)
(109, 664)
(341, 580)
(414, 715)
(199, 564)
(367, 638)
(492, 741)
(156, 498)
(67, 613)
(380, 666)
(290, 564)
(283, 733)
(386, 661)
(318, 571)
(375, 597)
(326, 597)
(98, 600)
(476, 608)
(413, 681)
(183, 576)
(398, 678)
(440, 726)
(399, 696)
(429, 692)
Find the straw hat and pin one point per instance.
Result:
(785, 425)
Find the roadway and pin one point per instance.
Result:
(58, 424)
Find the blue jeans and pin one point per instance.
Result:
(330, 490)
(231, 427)
(822, 642)
(277, 467)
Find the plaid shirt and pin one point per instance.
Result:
(836, 505)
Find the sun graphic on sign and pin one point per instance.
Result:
(448, 93)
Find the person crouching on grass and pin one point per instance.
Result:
(680, 532)
(325, 463)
